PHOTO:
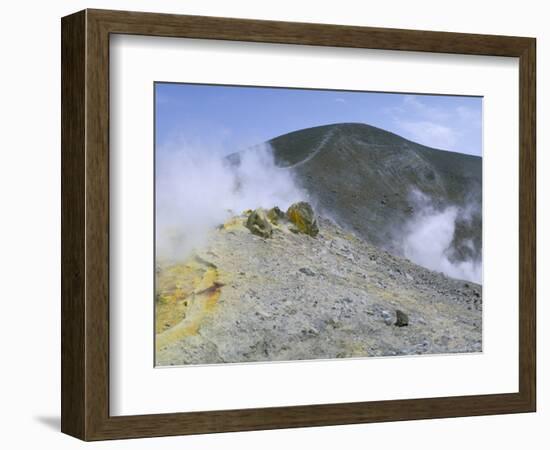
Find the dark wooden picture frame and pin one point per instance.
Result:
(85, 224)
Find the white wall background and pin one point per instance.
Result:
(30, 221)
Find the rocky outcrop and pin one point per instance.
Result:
(259, 224)
(299, 216)
(302, 216)
(275, 215)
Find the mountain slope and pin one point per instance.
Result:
(364, 176)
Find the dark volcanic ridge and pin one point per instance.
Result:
(374, 182)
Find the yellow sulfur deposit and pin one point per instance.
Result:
(186, 293)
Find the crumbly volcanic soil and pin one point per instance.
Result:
(245, 298)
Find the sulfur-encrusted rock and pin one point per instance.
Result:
(302, 216)
(275, 215)
(258, 223)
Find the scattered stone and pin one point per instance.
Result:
(402, 320)
(306, 271)
(302, 216)
(259, 224)
(387, 317)
(311, 331)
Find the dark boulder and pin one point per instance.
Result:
(402, 320)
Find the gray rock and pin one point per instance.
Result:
(386, 316)
(306, 271)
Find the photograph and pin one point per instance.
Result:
(306, 224)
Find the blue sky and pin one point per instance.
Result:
(229, 118)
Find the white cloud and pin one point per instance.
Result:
(412, 102)
(446, 128)
(429, 133)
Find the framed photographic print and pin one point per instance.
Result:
(271, 224)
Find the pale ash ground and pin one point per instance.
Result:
(290, 297)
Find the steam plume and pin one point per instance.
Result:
(429, 235)
(198, 189)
